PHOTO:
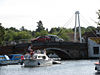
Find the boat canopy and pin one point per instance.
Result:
(15, 56)
(4, 57)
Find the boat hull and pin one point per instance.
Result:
(9, 62)
(97, 67)
(36, 62)
(3, 63)
(56, 62)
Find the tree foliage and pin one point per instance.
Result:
(98, 14)
(98, 17)
(42, 33)
(11, 35)
(2, 33)
(23, 35)
(90, 28)
(40, 26)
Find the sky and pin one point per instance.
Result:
(53, 13)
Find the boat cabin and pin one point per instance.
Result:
(40, 56)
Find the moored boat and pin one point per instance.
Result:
(37, 59)
(15, 58)
(97, 66)
(56, 59)
(11, 59)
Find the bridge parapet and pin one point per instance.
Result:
(68, 45)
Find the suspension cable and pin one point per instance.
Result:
(67, 23)
(87, 23)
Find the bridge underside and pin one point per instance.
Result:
(63, 55)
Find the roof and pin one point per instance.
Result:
(95, 39)
(52, 35)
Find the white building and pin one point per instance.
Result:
(94, 47)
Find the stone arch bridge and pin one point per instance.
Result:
(65, 50)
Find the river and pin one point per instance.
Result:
(69, 67)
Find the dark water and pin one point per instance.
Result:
(75, 67)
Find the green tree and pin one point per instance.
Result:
(23, 35)
(64, 36)
(90, 28)
(40, 26)
(61, 32)
(2, 33)
(98, 17)
(83, 30)
(23, 28)
(33, 33)
(13, 29)
(42, 33)
(64, 30)
(10, 35)
(53, 30)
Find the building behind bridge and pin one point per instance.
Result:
(93, 40)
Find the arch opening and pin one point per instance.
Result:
(59, 52)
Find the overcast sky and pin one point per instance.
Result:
(53, 13)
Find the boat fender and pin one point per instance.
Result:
(38, 63)
(22, 57)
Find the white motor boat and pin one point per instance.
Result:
(37, 60)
